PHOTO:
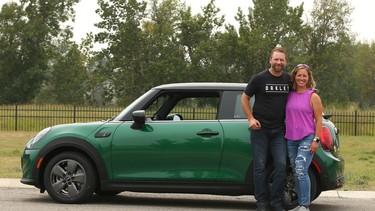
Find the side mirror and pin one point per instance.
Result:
(139, 118)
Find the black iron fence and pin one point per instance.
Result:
(37, 117)
(354, 123)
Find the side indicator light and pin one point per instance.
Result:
(39, 163)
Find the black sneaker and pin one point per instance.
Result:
(277, 208)
(262, 208)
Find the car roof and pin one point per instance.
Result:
(202, 86)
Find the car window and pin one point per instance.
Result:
(184, 106)
(238, 112)
(197, 108)
(156, 105)
(232, 105)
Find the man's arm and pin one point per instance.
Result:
(245, 101)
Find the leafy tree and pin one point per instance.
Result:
(11, 74)
(165, 62)
(329, 47)
(226, 62)
(97, 92)
(269, 23)
(27, 32)
(152, 42)
(123, 59)
(364, 75)
(67, 80)
(198, 34)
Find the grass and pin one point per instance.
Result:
(358, 152)
(359, 155)
(12, 144)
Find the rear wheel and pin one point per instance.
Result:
(290, 199)
(70, 178)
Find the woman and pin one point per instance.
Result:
(303, 129)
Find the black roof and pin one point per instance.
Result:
(203, 86)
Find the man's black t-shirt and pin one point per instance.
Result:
(270, 98)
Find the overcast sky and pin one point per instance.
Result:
(361, 25)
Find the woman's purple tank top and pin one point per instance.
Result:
(299, 119)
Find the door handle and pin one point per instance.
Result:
(207, 133)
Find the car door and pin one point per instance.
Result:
(169, 148)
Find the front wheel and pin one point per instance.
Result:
(70, 178)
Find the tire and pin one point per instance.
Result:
(70, 178)
(290, 199)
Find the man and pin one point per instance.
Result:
(267, 123)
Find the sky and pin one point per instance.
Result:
(361, 17)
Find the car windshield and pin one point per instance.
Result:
(129, 108)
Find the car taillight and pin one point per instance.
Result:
(326, 139)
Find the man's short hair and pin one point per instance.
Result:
(279, 49)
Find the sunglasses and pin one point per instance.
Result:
(303, 65)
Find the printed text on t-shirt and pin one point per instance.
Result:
(277, 88)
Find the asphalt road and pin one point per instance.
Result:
(21, 198)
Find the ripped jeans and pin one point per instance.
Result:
(300, 159)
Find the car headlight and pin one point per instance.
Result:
(39, 136)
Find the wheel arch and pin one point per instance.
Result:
(64, 144)
(316, 169)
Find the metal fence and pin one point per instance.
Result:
(37, 117)
(354, 123)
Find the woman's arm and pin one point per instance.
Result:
(317, 107)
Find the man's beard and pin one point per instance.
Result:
(278, 67)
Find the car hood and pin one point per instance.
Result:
(77, 130)
(81, 129)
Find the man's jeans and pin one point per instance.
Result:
(300, 159)
(264, 143)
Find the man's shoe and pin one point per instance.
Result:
(277, 208)
(262, 208)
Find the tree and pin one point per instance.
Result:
(330, 48)
(67, 80)
(12, 76)
(364, 75)
(198, 34)
(165, 56)
(123, 59)
(27, 32)
(269, 23)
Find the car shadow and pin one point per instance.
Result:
(172, 201)
(178, 200)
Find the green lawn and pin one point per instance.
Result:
(359, 154)
(12, 144)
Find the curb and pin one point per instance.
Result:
(16, 183)
(349, 194)
(13, 183)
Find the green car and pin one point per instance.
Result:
(175, 138)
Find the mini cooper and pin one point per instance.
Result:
(175, 138)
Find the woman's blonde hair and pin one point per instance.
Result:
(310, 83)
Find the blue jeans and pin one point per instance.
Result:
(269, 143)
(300, 159)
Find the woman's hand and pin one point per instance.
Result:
(314, 147)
